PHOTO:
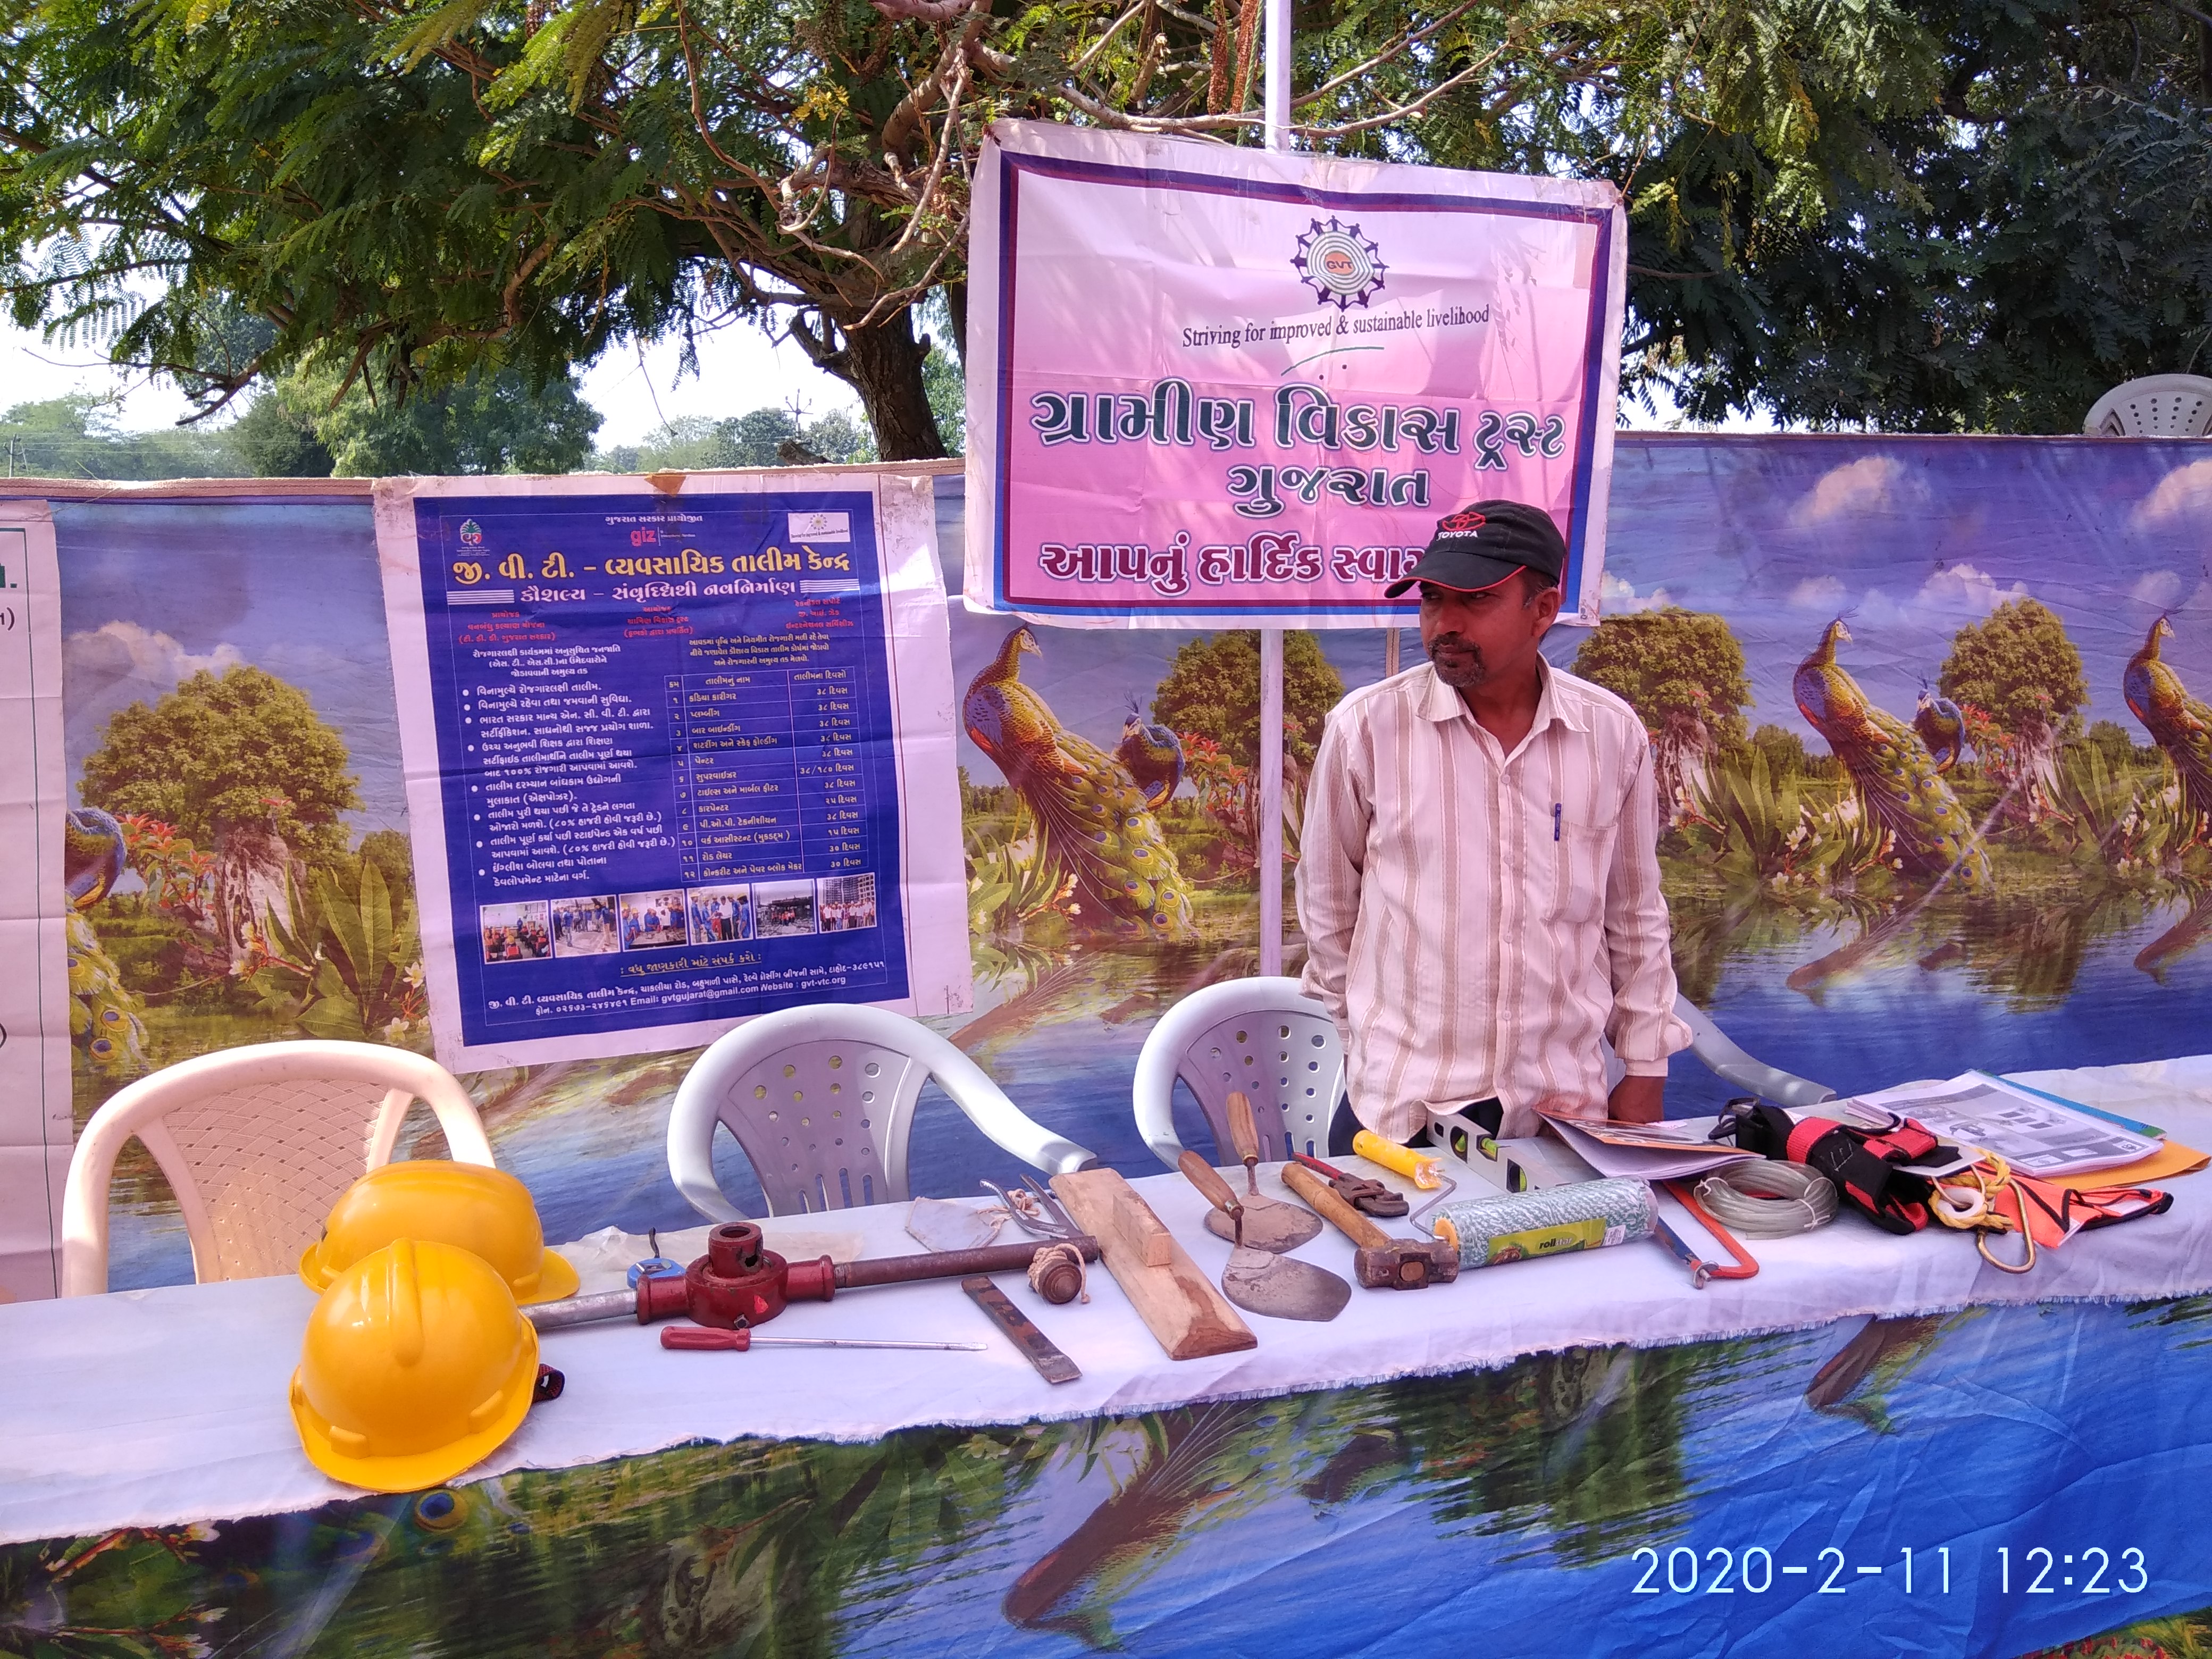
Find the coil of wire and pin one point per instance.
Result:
(1769, 1200)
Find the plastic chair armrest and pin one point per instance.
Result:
(1731, 1063)
(691, 1151)
(990, 1110)
(1152, 1093)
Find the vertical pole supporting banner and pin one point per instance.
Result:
(1277, 76)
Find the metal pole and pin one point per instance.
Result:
(1276, 75)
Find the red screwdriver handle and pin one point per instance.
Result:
(698, 1336)
(1327, 1170)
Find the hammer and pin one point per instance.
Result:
(1380, 1261)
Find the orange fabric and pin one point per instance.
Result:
(2055, 1213)
(2170, 1160)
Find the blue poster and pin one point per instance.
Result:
(662, 732)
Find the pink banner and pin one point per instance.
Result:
(1209, 387)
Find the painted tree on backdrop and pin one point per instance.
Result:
(1683, 673)
(241, 764)
(1829, 210)
(1212, 689)
(1210, 698)
(2019, 681)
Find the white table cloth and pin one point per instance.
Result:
(159, 1407)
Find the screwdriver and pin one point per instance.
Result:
(702, 1337)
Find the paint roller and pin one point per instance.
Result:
(1587, 1215)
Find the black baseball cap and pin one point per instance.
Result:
(1479, 546)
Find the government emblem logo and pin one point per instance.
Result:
(472, 533)
(1343, 267)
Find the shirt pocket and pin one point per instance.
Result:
(1573, 848)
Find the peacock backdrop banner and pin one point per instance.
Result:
(1928, 713)
(1938, 767)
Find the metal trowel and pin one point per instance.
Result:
(1269, 1223)
(1258, 1280)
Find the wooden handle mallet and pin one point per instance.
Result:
(1379, 1261)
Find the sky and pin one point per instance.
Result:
(740, 371)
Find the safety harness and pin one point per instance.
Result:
(1866, 1167)
(1900, 1176)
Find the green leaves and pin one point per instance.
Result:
(347, 965)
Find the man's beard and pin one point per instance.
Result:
(1469, 671)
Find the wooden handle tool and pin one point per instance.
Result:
(1322, 1196)
(1244, 1136)
(1216, 1191)
(1380, 1261)
(1178, 1303)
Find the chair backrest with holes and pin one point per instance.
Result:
(1263, 1037)
(825, 1123)
(2154, 406)
(821, 1099)
(257, 1143)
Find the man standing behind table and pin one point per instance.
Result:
(1477, 873)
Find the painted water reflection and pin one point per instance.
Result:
(1296, 1527)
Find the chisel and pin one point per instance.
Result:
(1051, 1365)
(700, 1337)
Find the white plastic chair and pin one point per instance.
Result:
(1267, 1038)
(257, 1143)
(821, 1100)
(1263, 1037)
(2154, 407)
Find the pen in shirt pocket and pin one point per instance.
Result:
(1556, 808)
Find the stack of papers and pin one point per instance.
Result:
(2037, 1133)
(1646, 1152)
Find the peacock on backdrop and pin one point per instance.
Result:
(1942, 725)
(1153, 755)
(1898, 782)
(1094, 823)
(103, 1014)
(2178, 723)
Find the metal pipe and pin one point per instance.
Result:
(583, 1310)
(1276, 76)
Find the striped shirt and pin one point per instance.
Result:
(1477, 920)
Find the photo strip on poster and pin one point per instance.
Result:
(668, 755)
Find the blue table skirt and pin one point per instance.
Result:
(2041, 1469)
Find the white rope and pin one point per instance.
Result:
(1769, 1199)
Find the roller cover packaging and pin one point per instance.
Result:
(1586, 1216)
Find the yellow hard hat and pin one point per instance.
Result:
(485, 1211)
(416, 1365)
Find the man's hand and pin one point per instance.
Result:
(1637, 1100)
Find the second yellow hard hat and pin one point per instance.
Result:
(482, 1210)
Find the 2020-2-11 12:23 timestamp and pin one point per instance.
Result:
(2036, 1571)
